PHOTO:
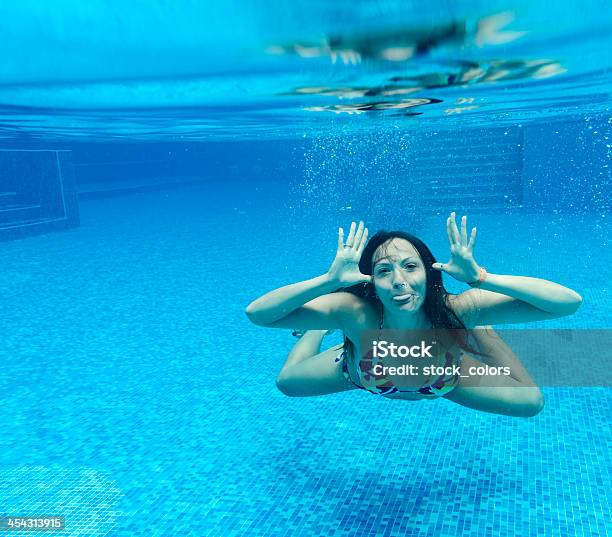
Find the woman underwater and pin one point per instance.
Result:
(393, 282)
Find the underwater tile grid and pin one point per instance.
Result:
(128, 411)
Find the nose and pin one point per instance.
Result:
(399, 279)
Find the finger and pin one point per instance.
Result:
(351, 236)
(357, 239)
(472, 242)
(449, 232)
(464, 230)
(340, 239)
(439, 266)
(364, 240)
(455, 230)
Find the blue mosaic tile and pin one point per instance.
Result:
(129, 410)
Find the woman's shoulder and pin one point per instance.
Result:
(361, 311)
(354, 301)
(465, 305)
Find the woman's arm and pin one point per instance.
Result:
(500, 298)
(542, 294)
(277, 304)
(514, 299)
(312, 304)
(504, 299)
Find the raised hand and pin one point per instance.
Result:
(344, 270)
(462, 265)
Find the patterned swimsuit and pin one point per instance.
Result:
(383, 386)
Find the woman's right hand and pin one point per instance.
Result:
(344, 270)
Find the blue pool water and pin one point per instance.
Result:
(137, 399)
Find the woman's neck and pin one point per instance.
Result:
(416, 320)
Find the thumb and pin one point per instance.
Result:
(438, 266)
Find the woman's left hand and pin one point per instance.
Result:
(462, 265)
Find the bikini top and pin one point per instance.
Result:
(381, 385)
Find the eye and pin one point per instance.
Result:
(410, 265)
(381, 271)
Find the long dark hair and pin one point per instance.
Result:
(436, 296)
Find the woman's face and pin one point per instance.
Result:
(399, 275)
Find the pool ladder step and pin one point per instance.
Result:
(10, 214)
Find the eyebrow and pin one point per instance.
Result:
(383, 258)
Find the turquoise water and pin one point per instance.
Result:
(138, 399)
(193, 71)
(129, 357)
